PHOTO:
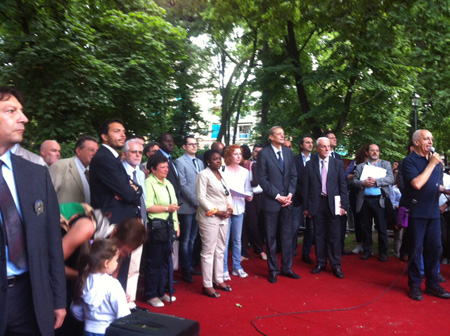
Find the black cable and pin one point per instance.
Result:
(330, 310)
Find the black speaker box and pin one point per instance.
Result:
(146, 323)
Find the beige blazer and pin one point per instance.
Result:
(67, 181)
(210, 195)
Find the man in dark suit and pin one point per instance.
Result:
(324, 179)
(32, 277)
(166, 146)
(300, 160)
(112, 190)
(277, 177)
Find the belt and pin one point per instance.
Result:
(12, 280)
(323, 196)
(372, 196)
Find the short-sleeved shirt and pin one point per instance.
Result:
(427, 198)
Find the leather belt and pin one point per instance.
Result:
(12, 280)
(323, 196)
(372, 196)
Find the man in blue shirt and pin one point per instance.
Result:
(422, 174)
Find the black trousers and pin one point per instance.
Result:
(21, 319)
(273, 220)
(327, 232)
(371, 210)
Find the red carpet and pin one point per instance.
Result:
(323, 304)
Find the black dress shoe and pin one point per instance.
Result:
(291, 275)
(273, 278)
(415, 293)
(307, 259)
(195, 272)
(137, 308)
(383, 257)
(338, 273)
(346, 252)
(318, 269)
(366, 255)
(187, 277)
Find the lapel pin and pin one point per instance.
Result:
(38, 207)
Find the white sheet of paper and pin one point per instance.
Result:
(239, 194)
(372, 171)
(337, 205)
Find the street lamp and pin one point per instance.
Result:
(415, 100)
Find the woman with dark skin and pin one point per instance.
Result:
(214, 210)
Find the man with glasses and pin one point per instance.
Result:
(188, 167)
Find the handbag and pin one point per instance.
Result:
(162, 230)
(402, 217)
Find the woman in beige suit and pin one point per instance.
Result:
(212, 216)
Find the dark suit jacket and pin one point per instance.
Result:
(109, 178)
(312, 185)
(298, 197)
(44, 244)
(272, 180)
(173, 178)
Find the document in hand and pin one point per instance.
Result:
(372, 171)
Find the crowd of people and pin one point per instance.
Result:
(77, 233)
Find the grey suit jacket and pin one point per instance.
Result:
(383, 183)
(67, 181)
(272, 180)
(187, 174)
(27, 155)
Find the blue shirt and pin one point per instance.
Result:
(427, 198)
(8, 175)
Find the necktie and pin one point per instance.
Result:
(324, 178)
(13, 225)
(195, 164)
(86, 173)
(142, 208)
(280, 161)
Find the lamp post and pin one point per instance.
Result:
(415, 100)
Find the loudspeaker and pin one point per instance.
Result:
(146, 323)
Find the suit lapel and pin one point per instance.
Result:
(274, 158)
(316, 168)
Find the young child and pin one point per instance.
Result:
(99, 298)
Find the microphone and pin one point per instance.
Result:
(432, 150)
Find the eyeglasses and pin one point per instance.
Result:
(192, 144)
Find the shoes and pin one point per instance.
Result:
(137, 308)
(226, 276)
(263, 256)
(273, 278)
(358, 249)
(415, 293)
(347, 252)
(445, 261)
(441, 278)
(213, 294)
(383, 257)
(291, 275)
(437, 291)
(195, 272)
(187, 277)
(307, 259)
(318, 269)
(366, 255)
(224, 287)
(244, 258)
(155, 302)
(240, 273)
(166, 298)
(338, 273)
(404, 258)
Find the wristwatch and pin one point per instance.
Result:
(167, 209)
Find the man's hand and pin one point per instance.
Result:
(369, 182)
(435, 159)
(60, 314)
(306, 213)
(342, 212)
